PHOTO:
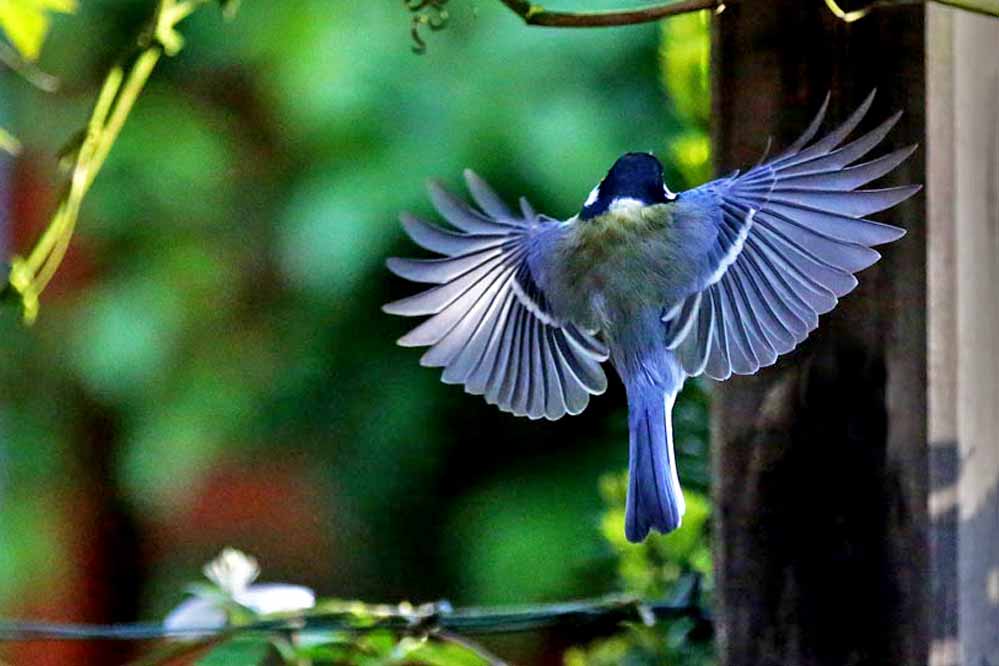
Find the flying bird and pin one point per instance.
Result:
(715, 280)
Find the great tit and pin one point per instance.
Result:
(715, 280)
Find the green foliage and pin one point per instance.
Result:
(653, 570)
(659, 567)
(26, 22)
(243, 651)
(685, 58)
(377, 648)
(9, 143)
(221, 309)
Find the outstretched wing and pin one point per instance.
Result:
(792, 234)
(492, 328)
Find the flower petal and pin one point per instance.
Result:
(195, 613)
(268, 598)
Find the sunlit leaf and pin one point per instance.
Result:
(27, 22)
(438, 653)
(238, 652)
(9, 142)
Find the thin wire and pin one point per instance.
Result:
(427, 619)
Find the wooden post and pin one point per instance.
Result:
(963, 261)
(858, 481)
(821, 463)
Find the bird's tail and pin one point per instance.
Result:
(655, 500)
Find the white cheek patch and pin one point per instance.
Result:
(624, 205)
(594, 195)
(669, 195)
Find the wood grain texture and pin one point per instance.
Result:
(821, 462)
(976, 270)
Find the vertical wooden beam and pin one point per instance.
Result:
(963, 195)
(821, 463)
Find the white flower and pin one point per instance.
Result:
(234, 572)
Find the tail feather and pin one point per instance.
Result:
(655, 500)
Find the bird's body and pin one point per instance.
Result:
(717, 280)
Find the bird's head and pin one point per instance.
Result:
(635, 179)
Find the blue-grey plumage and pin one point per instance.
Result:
(720, 279)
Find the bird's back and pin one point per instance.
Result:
(608, 269)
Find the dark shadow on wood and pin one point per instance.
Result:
(820, 463)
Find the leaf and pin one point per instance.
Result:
(440, 653)
(26, 22)
(9, 142)
(229, 8)
(248, 651)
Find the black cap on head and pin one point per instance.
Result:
(636, 176)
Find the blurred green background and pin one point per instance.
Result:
(211, 366)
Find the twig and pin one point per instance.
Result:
(30, 275)
(27, 70)
(987, 7)
(538, 15)
(533, 14)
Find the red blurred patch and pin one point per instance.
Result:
(271, 510)
(34, 198)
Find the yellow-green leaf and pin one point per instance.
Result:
(9, 142)
(26, 22)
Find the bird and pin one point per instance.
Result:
(717, 280)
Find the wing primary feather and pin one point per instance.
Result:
(539, 382)
(443, 241)
(825, 276)
(684, 321)
(575, 393)
(509, 379)
(499, 375)
(851, 204)
(701, 345)
(587, 343)
(768, 326)
(589, 374)
(810, 131)
(740, 348)
(459, 214)
(718, 366)
(759, 337)
(487, 199)
(478, 380)
(843, 155)
(848, 256)
(521, 395)
(527, 209)
(555, 406)
(461, 322)
(439, 271)
(836, 137)
(849, 178)
(776, 293)
(435, 300)
(432, 330)
(816, 297)
(471, 352)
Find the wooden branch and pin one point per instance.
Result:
(538, 15)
